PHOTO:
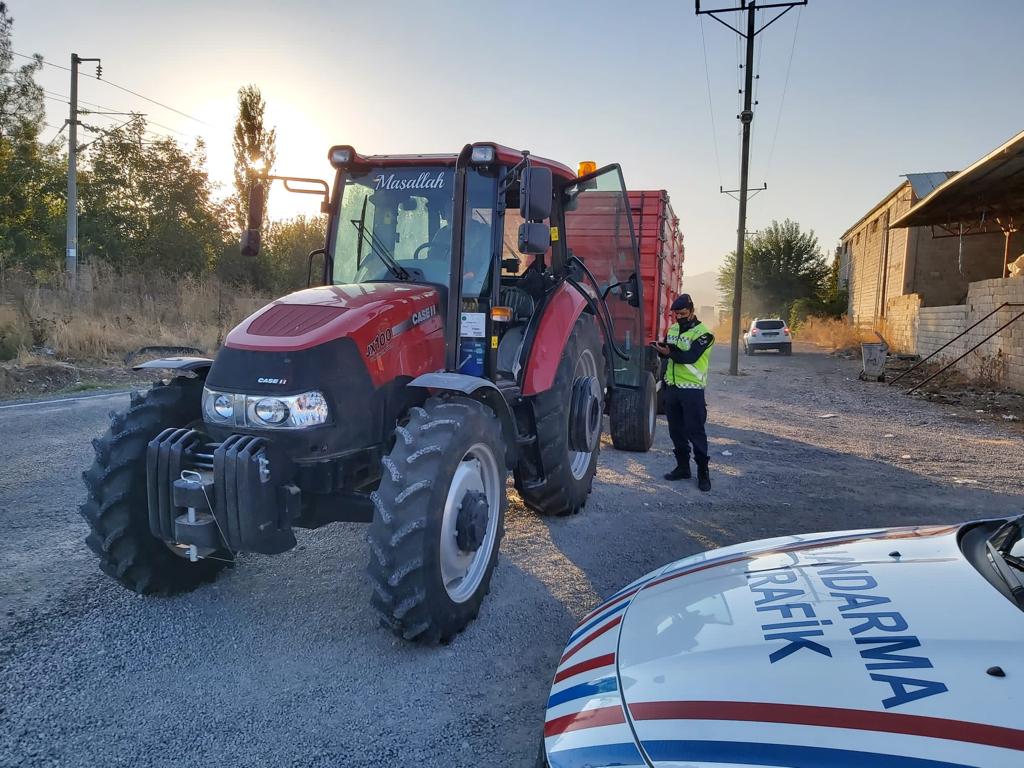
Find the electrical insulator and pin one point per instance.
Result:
(99, 71)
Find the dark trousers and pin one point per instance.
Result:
(687, 413)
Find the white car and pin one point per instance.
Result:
(768, 333)
(900, 647)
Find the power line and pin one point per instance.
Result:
(122, 88)
(110, 111)
(785, 86)
(711, 108)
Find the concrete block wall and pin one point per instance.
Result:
(900, 327)
(937, 325)
(1001, 358)
(915, 329)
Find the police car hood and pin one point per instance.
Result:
(860, 648)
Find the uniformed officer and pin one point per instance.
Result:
(688, 351)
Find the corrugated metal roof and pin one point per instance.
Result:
(924, 183)
(992, 187)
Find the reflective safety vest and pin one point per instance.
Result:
(688, 375)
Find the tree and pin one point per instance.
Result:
(781, 264)
(31, 175)
(147, 204)
(255, 148)
(21, 98)
(288, 246)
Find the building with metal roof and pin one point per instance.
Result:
(987, 197)
(880, 263)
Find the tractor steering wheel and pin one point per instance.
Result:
(422, 247)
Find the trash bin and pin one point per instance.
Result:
(873, 357)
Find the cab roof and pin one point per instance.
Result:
(505, 156)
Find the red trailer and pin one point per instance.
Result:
(660, 243)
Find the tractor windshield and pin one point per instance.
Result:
(394, 223)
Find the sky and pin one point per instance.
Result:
(875, 89)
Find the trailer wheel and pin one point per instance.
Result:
(116, 506)
(438, 519)
(633, 416)
(568, 474)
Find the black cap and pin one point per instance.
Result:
(683, 301)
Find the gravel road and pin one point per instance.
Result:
(281, 663)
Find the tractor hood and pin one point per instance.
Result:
(866, 648)
(361, 312)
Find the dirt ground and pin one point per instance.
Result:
(281, 661)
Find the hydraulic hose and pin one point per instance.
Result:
(604, 318)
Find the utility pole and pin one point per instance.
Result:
(746, 117)
(72, 251)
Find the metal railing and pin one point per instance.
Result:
(960, 335)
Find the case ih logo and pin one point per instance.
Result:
(264, 380)
(424, 180)
(424, 314)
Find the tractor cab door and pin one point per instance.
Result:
(599, 232)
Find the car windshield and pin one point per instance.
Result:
(1006, 552)
(396, 224)
(769, 325)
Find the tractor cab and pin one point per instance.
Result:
(498, 229)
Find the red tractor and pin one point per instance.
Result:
(477, 314)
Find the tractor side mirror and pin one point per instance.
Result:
(534, 238)
(251, 236)
(535, 194)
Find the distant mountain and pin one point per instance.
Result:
(702, 287)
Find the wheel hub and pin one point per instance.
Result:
(471, 522)
(585, 414)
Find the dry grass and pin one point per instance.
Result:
(114, 315)
(832, 333)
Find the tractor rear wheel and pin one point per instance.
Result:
(633, 415)
(568, 474)
(438, 519)
(116, 506)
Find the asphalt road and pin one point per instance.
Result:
(281, 661)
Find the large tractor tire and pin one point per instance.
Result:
(116, 506)
(439, 515)
(568, 474)
(633, 415)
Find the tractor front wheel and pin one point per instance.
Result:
(438, 519)
(116, 506)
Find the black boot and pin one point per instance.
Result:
(681, 472)
(703, 478)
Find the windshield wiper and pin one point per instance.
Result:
(379, 248)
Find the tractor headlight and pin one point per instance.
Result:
(223, 406)
(270, 410)
(286, 411)
(218, 407)
(283, 412)
(308, 410)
